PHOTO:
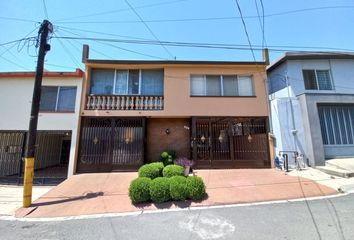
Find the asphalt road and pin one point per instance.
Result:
(318, 219)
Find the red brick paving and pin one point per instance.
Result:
(100, 193)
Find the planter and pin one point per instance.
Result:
(187, 170)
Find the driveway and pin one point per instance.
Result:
(100, 193)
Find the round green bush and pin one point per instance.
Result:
(152, 170)
(195, 188)
(139, 190)
(178, 188)
(160, 190)
(173, 170)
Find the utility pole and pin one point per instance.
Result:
(45, 28)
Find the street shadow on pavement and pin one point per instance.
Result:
(69, 199)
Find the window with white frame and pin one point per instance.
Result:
(58, 99)
(127, 82)
(337, 124)
(221, 85)
(317, 79)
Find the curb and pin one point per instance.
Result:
(138, 213)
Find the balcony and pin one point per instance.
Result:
(124, 103)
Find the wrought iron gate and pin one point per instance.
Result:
(230, 142)
(49, 169)
(108, 144)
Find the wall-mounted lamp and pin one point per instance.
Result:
(95, 140)
(249, 138)
(221, 136)
(167, 131)
(202, 138)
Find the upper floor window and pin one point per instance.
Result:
(221, 85)
(127, 82)
(317, 80)
(58, 99)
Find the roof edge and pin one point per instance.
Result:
(78, 73)
(309, 56)
(171, 62)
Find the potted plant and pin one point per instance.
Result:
(186, 163)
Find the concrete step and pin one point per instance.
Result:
(344, 164)
(336, 171)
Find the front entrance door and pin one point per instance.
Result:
(108, 144)
(230, 142)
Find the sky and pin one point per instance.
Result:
(317, 25)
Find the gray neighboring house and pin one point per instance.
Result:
(312, 104)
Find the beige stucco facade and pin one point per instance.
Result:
(177, 99)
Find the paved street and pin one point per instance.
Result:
(330, 218)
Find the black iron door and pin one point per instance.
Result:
(108, 144)
(230, 142)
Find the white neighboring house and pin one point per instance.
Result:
(312, 104)
(57, 122)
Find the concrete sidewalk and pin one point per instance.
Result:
(101, 193)
(11, 197)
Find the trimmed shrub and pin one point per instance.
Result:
(139, 190)
(160, 190)
(178, 188)
(152, 170)
(195, 188)
(173, 170)
(167, 157)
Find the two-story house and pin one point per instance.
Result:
(312, 104)
(213, 112)
(57, 122)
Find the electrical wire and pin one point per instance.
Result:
(103, 33)
(121, 48)
(148, 28)
(19, 19)
(69, 53)
(121, 10)
(45, 9)
(16, 64)
(245, 29)
(264, 42)
(210, 18)
(215, 45)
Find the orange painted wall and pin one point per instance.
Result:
(179, 103)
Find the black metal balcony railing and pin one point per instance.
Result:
(109, 102)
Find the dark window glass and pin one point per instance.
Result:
(66, 99)
(48, 98)
(310, 79)
(102, 81)
(152, 82)
(133, 85)
(213, 85)
(230, 85)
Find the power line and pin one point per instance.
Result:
(16, 64)
(68, 52)
(148, 28)
(121, 48)
(45, 9)
(19, 19)
(122, 9)
(263, 27)
(260, 21)
(18, 40)
(211, 45)
(245, 29)
(102, 33)
(211, 18)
